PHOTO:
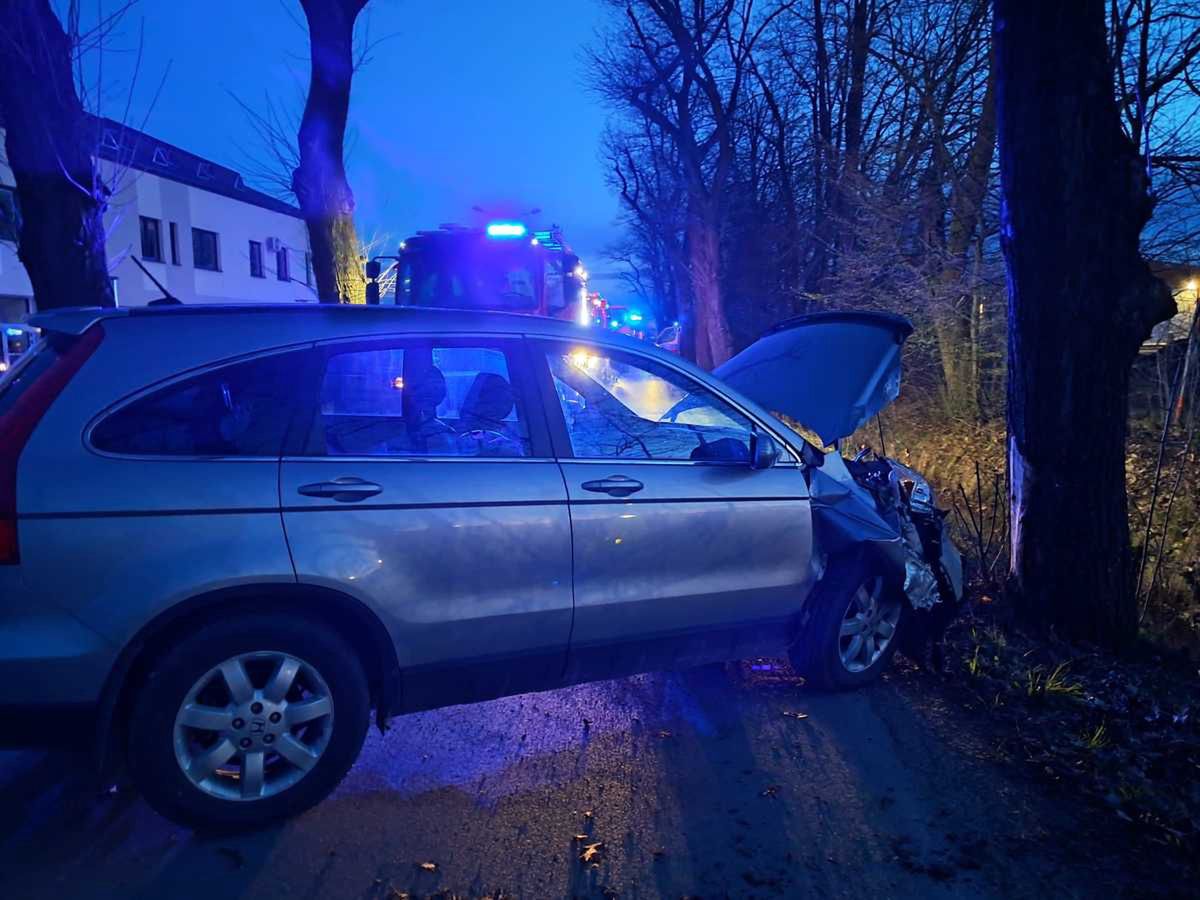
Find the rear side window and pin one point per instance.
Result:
(242, 409)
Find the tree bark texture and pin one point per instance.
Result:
(50, 143)
(319, 181)
(1081, 300)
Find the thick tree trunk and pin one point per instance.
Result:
(49, 142)
(319, 181)
(1081, 300)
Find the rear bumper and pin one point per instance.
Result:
(49, 659)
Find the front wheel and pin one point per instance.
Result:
(246, 721)
(848, 628)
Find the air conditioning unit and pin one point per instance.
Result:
(274, 245)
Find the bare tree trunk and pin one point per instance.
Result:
(319, 181)
(824, 234)
(953, 323)
(714, 344)
(49, 142)
(860, 45)
(1081, 300)
(792, 262)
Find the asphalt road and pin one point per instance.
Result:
(702, 784)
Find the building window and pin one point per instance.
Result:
(282, 271)
(151, 239)
(10, 216)
(173, 237)
(256, 267)
(308, 268)
(204, 250)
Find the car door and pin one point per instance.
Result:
(422, 484)
(683, 552)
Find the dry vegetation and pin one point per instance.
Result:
(1122, 733)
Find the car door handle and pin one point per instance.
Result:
(344, 490)
(615, 485)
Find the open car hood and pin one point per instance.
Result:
(830, 371)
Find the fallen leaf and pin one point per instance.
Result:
(587, 813)
(664, 733)
(591, 851)
(428, 866)
(770, 791)
(582, 837)
(795, 715)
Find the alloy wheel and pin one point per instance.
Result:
(253, 726)
(868, 627)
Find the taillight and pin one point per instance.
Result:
(18, 423)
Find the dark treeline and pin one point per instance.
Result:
(775, 157)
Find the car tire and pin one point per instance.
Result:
(278, 768)
(823, 647)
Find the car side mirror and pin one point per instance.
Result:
(764, 452)
(812, 456)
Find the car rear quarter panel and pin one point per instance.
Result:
(114, 541)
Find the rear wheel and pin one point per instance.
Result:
(848, 629)
(247, 721)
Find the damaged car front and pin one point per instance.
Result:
(886, 567)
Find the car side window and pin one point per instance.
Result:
(420, 399)
(621, 406)
(242, 409)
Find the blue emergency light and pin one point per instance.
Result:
(506, 230)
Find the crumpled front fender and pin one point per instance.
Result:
(846, 518)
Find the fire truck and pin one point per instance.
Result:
(501, 266)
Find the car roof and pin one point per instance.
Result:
(289, 323)
(204, 334)
(76, 320)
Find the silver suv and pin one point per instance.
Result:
(229, 533)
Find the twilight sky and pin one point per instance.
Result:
(471, 102)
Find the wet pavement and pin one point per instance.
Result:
(709, 783)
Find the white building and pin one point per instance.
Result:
(194, 224)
